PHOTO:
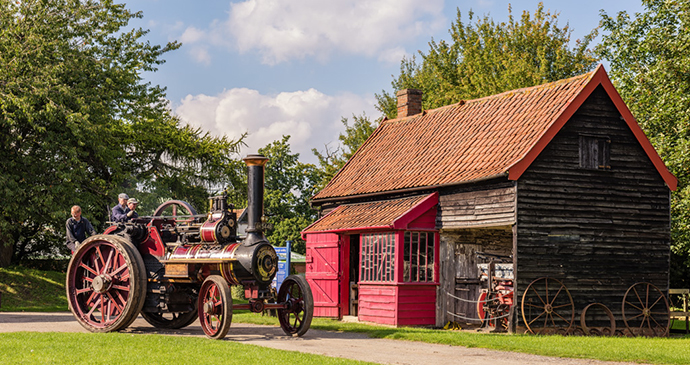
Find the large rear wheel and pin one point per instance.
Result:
(106, 283)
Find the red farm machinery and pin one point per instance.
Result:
(173, 268)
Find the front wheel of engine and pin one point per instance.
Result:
(215, 307)
(296, 294)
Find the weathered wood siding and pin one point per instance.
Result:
(598, 231)
(477, 205)
(459, 275)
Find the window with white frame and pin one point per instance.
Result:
(418, 257)
(377, 257)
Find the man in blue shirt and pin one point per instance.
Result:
(77, 228)
(119, 212)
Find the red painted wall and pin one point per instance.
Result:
(377, 303)
(398, 304)
(426, 221)
(417, 305)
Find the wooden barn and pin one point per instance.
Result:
(558, 177)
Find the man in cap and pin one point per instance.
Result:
(131, 207)
(119, 212)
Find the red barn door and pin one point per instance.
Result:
(324, 273)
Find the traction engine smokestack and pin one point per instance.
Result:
(255, 195)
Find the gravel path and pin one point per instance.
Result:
(334, 344)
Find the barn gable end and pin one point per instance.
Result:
(598, 230)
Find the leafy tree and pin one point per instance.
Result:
(78, 124)
(650, 66)
(332, 160)
(486, 58)
(288, 186)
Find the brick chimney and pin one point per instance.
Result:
(409, 102)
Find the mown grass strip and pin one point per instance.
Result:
(675, 350)
(120, 348)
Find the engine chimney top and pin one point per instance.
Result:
(255, 198)
(255, 160)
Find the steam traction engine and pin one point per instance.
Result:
(173, 268)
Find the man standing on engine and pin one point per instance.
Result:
(77, 228)
(119, 212)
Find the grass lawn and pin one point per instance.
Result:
(32, 290)
(24, 283)
(120, 348)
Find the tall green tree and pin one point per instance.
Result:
(331, 160)
(649, 55)
(288, 186)
(485, 58)
(78, 124)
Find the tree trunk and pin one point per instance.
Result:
(6, 250)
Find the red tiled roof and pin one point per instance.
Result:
(374, 215)
(477, 139)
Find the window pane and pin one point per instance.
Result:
(414, 251)
(430, 255)
(422, 255)
(377, 258)
(406, 257)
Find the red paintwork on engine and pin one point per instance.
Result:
(153, 244)
(208, 230)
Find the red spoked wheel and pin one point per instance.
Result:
(296, 294)
(645, 311)
(547, 307)
(501, 307)
(215, 307)
(106, 283)
(175, 209)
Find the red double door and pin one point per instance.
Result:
(328, 256)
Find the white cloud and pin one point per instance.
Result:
(192, 35)
(393, 55)
(200, 54)
(284, 30)
(310, 117)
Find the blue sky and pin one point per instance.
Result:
(295, 67)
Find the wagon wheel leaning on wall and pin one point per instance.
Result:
(645, 310)
(547, 307)
(597, 331)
